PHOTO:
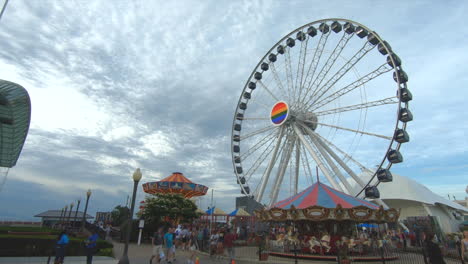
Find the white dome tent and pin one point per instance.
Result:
(415, 199)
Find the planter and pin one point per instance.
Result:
(345, 261)
(263, 256)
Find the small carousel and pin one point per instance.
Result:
(175, 183)
(320, 222)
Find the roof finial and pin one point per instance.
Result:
(318, 180)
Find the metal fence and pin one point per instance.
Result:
(257, 251)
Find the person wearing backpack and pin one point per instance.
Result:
(157, 243)
(62, 242)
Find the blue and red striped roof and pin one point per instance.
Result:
(322, 195)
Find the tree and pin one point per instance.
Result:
(120, 215)
(173, 206)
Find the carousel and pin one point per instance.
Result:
(317, 222)
(175, 183)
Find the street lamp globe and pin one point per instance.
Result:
(137, 175)
(88, 193)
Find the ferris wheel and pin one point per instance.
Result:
(323, 96)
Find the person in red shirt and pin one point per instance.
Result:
(229, 239)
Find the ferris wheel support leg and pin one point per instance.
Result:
(298, 160)
(266, 175)
(320, 164)
(332, 164)
(282, 169)
(338, 160)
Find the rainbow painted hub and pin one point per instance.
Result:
(279, 113)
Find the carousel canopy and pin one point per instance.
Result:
(239, 212)
(322, 195)
(175, 183)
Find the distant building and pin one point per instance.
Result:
(52, 217)
(103, 217)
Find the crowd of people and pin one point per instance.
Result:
(167, 241)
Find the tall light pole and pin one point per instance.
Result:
(76, 212)
(136, 178)
(60, 218)
(69, 213)
(64, 215)
(88, 194)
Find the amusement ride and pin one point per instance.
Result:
(330, 94)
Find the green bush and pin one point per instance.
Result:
(13, 246)
(105, 252)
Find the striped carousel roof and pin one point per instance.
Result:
(175, 183)
(322, 195)
(176, 177)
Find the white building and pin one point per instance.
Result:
(415, 199)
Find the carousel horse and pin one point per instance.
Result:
(313, 242)
(325, 241)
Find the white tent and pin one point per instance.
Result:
(415, 199)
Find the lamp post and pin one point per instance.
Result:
(64, 215)
(69, 213)
(88, 194)
(136, 178)
(76, 212)
(60, 218)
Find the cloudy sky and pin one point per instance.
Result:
(117, 85)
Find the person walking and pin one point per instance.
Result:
(169, 243)
(464, 245)
(91, 246)
(229, 239)
(157, 242)
(434, 254)
(62, 242)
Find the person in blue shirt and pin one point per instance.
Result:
(62, 242)
(168, 242)
(91, 247)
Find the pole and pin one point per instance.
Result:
(212, 213)
(3, 8)
(76, 212)
(83, 220)
(139, 237)
(69, 213)
(60, 218)
(124, 259)
(64, 215)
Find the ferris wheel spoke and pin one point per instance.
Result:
(278, 81)
(266, 175)
(286, 155)
(340, 73)
(297, 167)
(258, 162)
(260, 104)
(289, 77)
(330, 62)
(257, 145)
(315, 60)
(317, 159)
(329, 161)
(350, 87)
(389, 100)
(350, 130)
(313, 65)
(268, 90)
(259, 131)
(338, 160)
(346, 155)
(253, 118)
(308, 163)
(300, 67)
